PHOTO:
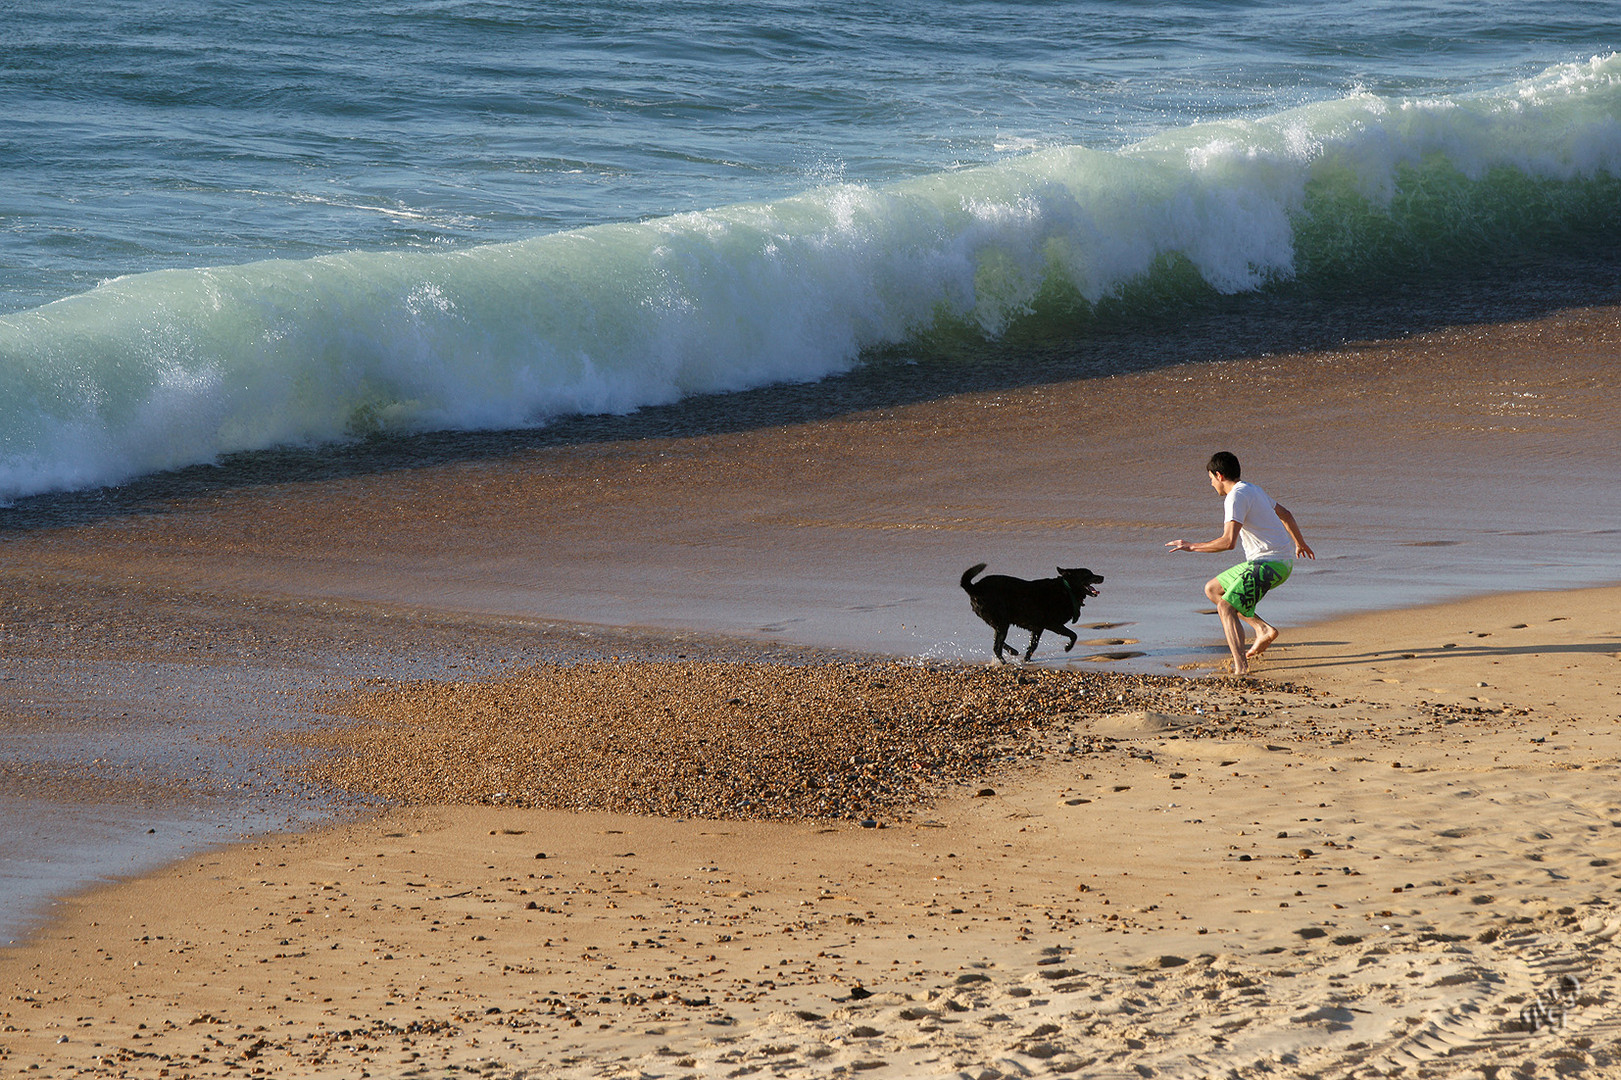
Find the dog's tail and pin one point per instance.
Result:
(968, 574)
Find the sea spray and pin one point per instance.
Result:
(166, 369)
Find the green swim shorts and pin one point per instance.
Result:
(1244, 585)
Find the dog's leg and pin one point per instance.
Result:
(1000, 643)
(1035, 636)
(1067, 632)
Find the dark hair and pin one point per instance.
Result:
(1223, 463)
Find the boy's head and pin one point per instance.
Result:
(1224, 463)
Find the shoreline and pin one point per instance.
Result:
(161, 644)
(1378, 865)
(145, 721)
(849, 529)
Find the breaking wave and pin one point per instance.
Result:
(173, 368)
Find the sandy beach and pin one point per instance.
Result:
(1371, 862)
(1397, 850)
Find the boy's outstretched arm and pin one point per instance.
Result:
(1225, 542)
(1302, 548)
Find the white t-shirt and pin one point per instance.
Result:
(1260, 530)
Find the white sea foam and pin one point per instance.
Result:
(167, 369)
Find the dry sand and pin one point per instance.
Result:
(1378, 858)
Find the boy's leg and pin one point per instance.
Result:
(1265, 634)
(1216, 591)
(1240, 588)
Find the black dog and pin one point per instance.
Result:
(1046, 604)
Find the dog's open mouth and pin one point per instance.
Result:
(1091, 591)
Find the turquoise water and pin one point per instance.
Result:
(230, 227)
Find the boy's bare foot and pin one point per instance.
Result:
(1265, 635)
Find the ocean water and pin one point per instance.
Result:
(227, 227)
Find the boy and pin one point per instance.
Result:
(1271, 540)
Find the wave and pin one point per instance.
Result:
(174, 368)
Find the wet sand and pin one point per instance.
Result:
(1420, 468)
(1054, 925)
